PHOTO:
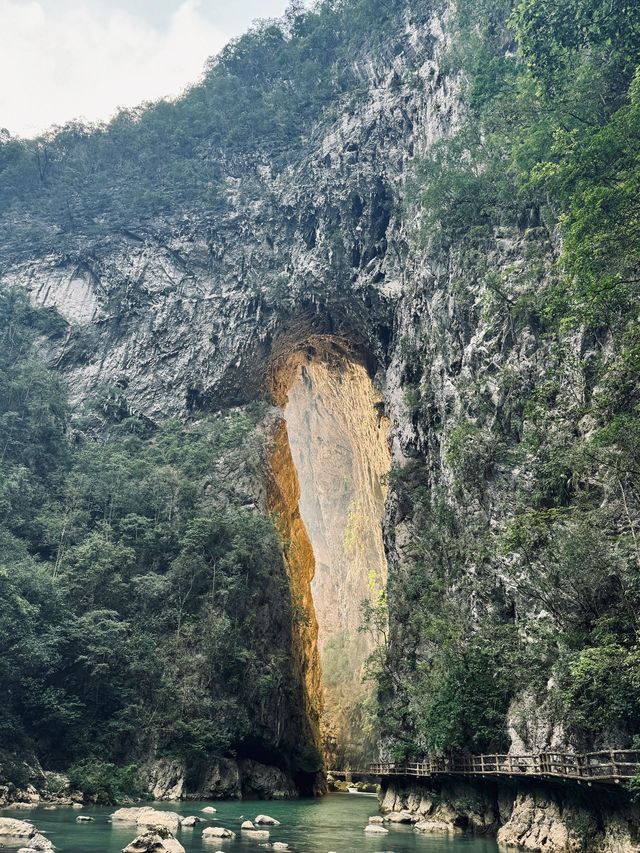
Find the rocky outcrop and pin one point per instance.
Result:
(31, 785)
(217, 779)
(14, 832)
(12, 828)
(201, 314)
(544, 818)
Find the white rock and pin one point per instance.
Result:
(126, 815)
(39, 842)
(376, 829)
(13, 828)
(192, 820)
(403, 816)
(376, 818)
(154, 817)
(280, 845)
(152, 842)
(266, 820)
(84, 819)
(212, 832)
(434, 825)
(209, 810)
(247, 824)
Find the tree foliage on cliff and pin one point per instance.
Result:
(254, 105)
(550, 143)
(142, 605)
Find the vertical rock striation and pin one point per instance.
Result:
(338, 436)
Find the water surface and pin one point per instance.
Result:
(333, 823)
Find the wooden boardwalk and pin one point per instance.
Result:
(607, 767)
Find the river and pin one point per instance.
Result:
(332, 823)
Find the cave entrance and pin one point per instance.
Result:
(337, 436)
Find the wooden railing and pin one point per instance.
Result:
(606, 767)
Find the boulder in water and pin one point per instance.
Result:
(39, 842)
(209, 810)
(83, 818)
(247, 824)
(212, 832)
(403, 816)
(155, 842)
(266, 820)
(12, 828)
(376, 818)
(153, 818)
(192, 820)
(126, 815)
(376, 829)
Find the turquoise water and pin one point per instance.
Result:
(332, 823)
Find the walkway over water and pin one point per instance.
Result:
(606, 767)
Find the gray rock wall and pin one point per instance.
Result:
(549, 818)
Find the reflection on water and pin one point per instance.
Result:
(333, 823)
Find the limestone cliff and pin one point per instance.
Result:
(549, 818)
(338, 437)
(318, 252)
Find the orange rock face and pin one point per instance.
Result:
(283, 499)
(328, 464)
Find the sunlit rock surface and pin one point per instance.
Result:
(339, 443)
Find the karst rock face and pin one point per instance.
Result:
(190, 315)
(203, 314)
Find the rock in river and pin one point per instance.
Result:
(39, 842)
(126, 815)
(153, 818)
(192, 820)
(403, 816)
(12, 828)
(212, 832)
(266, 820)
(155, 842)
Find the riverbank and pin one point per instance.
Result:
(24, 784)
(535, 816)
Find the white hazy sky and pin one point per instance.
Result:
(66, 59)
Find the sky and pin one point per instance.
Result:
(67, 59)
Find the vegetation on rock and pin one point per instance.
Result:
(144, 606)
(538, 593)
